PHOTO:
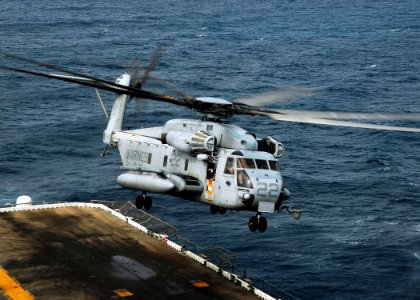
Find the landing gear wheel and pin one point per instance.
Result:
(253, 223)
(147, 202)
(262, 224)
(214, 209)
(222, 210)
(139, 201)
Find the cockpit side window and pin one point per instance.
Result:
(243, 180)
(274, 165)
(229, 166)
(245, 163)
(262, 164)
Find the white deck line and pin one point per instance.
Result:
(230, 276)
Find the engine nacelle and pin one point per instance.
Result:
(197, 142)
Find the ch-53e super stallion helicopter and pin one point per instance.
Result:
(208, 160)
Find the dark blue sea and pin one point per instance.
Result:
(359, 235)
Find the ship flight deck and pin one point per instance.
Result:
(90, 251)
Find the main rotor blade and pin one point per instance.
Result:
(73, 79)
(225, 109)
(55, 68)
(319, 121)
(119, 89)
(277, 96)
(91, 81)
(351, 115)
(88, 80)
(103, 83)
(282, 115)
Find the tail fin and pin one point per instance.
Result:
(118, 110)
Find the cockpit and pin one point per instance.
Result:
(250, 163)
(244, 166)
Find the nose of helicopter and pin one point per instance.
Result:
(267, 188)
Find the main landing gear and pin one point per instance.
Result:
(144, 201)
(257, 222)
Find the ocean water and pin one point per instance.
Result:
(359, 236)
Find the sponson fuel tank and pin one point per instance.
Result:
(157, 184)
(152, 183)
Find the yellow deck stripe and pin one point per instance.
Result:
(12, 288)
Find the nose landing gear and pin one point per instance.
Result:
(257, 222)
(145, 201)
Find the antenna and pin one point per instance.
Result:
(102, 103)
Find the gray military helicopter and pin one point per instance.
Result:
(208, 160)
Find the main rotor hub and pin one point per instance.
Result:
(212, 105)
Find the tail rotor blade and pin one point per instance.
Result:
(134, 71)
(154, 61)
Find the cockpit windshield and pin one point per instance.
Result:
(246, 163)
(262, 164)
(274, 165)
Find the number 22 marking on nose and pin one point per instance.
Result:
(271, 188)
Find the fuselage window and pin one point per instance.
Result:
(262, 164)
(186, 165)
(165, 160)
(245, 163)
(149, 158)
(229, 166)
(274, 165)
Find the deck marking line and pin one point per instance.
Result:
(12, 288)
(199, 283)
(122, 293)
